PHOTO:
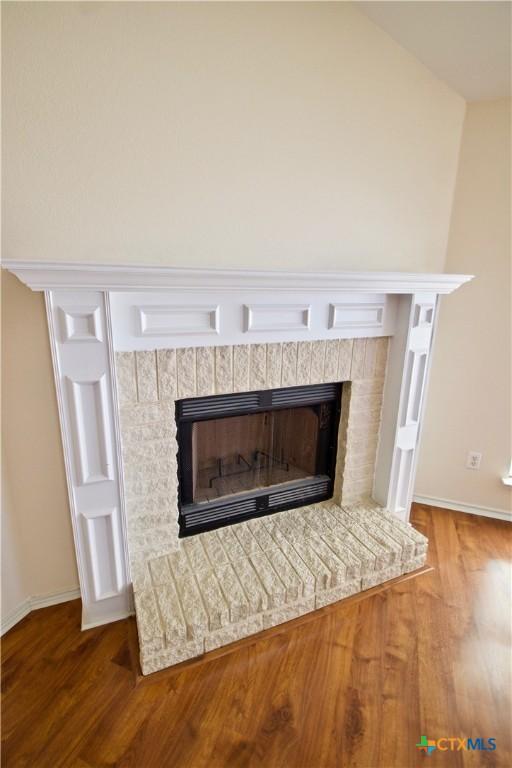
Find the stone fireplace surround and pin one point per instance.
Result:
(178, 332)
(197, 594)
(149, 382)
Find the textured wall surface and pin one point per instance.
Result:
(469, 400)
(14, 592)
(36, 523)
(270, 135)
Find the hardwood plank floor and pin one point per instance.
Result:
(356, 687)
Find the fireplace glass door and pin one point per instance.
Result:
(254, 453)
(257, 450)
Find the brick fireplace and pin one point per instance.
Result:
(151, 382)
(134, 347)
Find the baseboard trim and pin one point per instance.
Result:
(43, 601)
(459, 506)
(15, 616)
(107, 619)
(33, 604)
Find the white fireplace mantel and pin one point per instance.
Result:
(95, 310)
(44, 276)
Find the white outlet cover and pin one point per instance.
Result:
(473, 460)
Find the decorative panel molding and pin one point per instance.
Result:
(416, 369)
(86, 400)
(402, 480)
(104, 552)
(159, 320)
(177, 320)
(93, 450)
(356, 315)
(404, 400)
(81, 324)
(277, 317)
(423, 315)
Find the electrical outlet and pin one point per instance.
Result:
(473, 460)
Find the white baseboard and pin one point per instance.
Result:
(107, 620)
(459, 506)
(54, 598)
(16, 615)
(34, 603)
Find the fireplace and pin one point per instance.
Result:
(255, 453)
(143, 356)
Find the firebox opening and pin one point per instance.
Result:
(241, 453)
(245, 455)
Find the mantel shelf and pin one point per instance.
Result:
(42, 276)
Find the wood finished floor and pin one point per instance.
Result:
(356, 687)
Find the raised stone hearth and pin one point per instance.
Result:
(227, 584)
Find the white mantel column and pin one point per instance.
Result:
(404, 401)
(81, 344)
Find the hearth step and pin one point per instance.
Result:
(226, 584)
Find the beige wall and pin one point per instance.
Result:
(469, 403)
(14, 593)
(264, 135)
(241, 134)
(35, 518)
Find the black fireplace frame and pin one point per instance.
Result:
(196, 517)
